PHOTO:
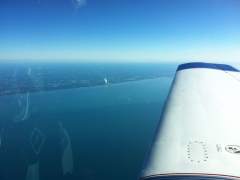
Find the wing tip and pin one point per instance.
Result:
(191, 65)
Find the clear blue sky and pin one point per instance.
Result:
(113, 30)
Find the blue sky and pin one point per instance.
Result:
(120, 30)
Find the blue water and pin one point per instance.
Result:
(109, 128)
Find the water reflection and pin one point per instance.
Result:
(87, 133)
(28, 146)
(31, 149)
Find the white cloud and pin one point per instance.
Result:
(79, 3)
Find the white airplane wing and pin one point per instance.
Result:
(199, 133)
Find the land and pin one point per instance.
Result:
(22, 78)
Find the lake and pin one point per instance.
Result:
(89, 133)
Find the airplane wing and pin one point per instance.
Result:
(199, 132)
